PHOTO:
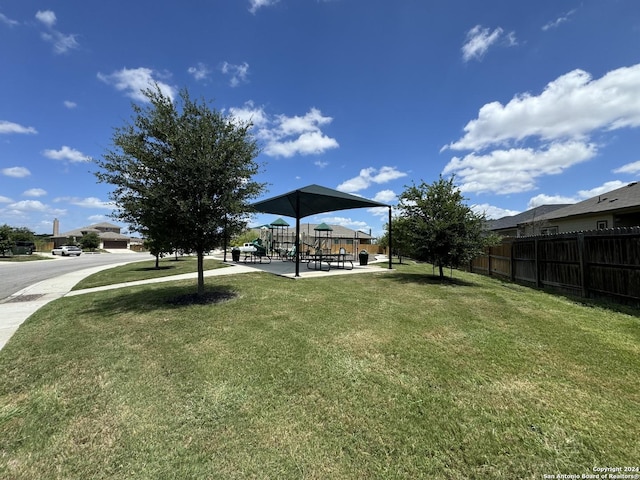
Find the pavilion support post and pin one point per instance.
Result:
(297, 240)
(390, 242)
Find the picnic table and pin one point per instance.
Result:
(337, 260)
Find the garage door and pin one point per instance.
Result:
(109, 244)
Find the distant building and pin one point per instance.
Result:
(110, 236)
(614, 209)
(512, 226)
(312, 239)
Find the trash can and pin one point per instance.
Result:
(364, 257)
(235, 254)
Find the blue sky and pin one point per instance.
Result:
(526, 103)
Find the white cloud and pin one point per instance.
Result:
(5, 199)
(62, 43)
(47, 17)
(67, 153)
(89, 202)
(97, 218)
(200, 71)
(70, 105)
(573, 105)
(385, 196)
(309, 143)
(25, 206)
(581, 195)
(515, 170)
(7, 21)
(133, 81)
(369, 176)
(254, 5)
(250, 113)
(16, 172)
(480, 39)
(633, 167)
(10, 127)
(34, 192)
(321, 163)
(491, 211)
(558, 21)
(238, 73)
(544, 199)
(345, 222)
(285, 136)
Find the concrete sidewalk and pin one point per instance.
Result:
(21, 305)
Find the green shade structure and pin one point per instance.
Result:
(279, 223)
(312, 200)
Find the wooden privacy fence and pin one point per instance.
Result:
(588, 264)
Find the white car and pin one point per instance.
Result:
(67, 250)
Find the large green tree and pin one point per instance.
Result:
(440, 226)
(183, 173)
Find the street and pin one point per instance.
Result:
(14, 276)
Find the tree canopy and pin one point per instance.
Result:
(182, 176)
(441, 227)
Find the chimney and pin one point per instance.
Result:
(56, 227)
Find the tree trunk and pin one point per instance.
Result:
(157, 261)
(441, 270)
(200, 272)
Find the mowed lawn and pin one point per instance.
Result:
(381, 375)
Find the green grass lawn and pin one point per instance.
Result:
(146, 270)
(381, 375)
(24, 258)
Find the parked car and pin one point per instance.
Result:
(67, 250)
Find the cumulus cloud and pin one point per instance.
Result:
(516, 170)
(369, 176)
(89, 202)
(347, 222)
(237, 73)
(25, 206)
(581, 195)
(67, 153)
(10, 127)
(254, 5)
(385, 196)
(556, 126)
(69, 104)
(480, 39)
(34, 192)
(573, 105)
(5, 199)
(133, 81)
(61, 42)
(16, 172)
(633, 167)
(285, 136)
(491, 212)
(200, 71)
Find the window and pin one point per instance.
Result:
(601, 224)
(549, 231)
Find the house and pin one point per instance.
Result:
(110, 236)
(509, 226)
(615, 209)
(317, 236)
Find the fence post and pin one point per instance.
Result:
(584, 288)
(489, 261)
(512, 263)
(537, 262)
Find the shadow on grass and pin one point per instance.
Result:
(153, 269)
(429, 279)
(149, 299)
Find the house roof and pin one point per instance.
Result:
(338, 231)
(96, 228)
(530, 215)
(627, 197)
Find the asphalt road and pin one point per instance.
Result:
(14, 276)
